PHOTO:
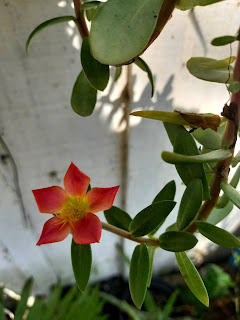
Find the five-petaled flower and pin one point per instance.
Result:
(73, 208)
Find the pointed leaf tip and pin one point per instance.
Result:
(81, 255)
(192, 277)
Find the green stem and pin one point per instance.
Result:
(82, 26)
(127, 235)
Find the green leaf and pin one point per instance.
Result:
(218, 235)
(208, 138)
(22, 304)
(118, 72)
(96, 73)
(81, 263)
(184, 143)
(172, 227)
(192, 277)
(118, 218)
(218, 215)
(222, 41)
(122, 29)
(167, 193)
(151, 252)
(177, 241)
(223, 200)
(90, 5)
(190, 204)
(143, 65)
(37, 309)
(150, 217)
(234, 86)
(221, 75)
(231, 193)
(168, 307)
(53, 302)
(172, 117)
(84, 96)
(213, 156)
(219, 63)
(47, 24)
(190, 4)
(139, 274)
(2, 314)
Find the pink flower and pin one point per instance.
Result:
(73, 208)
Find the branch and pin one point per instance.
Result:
(229, 139)
(127, 235)
(82, 26)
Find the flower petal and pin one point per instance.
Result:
(75, 181)
(54, 231)
(50, 200)
(101, 199)
(87, 230)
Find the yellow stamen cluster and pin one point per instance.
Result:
(74, 209)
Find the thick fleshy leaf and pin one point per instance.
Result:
(118, 72)
(87, 230)
(118, 218)
(234, 86)
(150, 217)
(231, 193)
(96, 72)
(84, 96)
(81, 255)
(184, 143)
(218, 235)
(75, 181)
(218, 215)
(172, 117)
(101, 199)
(222, 41)
(122, 29)
(219, 63)
(208, 138)
(139, 274)
(50, 200)
(223, 200)
(195, 120)
(190, 204)
(192, 277)
(235, 159)
(167, 193)
(221, 75)
(177, 241)
(54, 231)
(190, 4)
(22, 304)
(47, 24)
(144, 66)
(213, 156)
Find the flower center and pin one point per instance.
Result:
(73, 209)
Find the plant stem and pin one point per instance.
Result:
(124, 234)
(229, 137)
(82, 26)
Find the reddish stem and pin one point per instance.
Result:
(82, 26)
(223, 166)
